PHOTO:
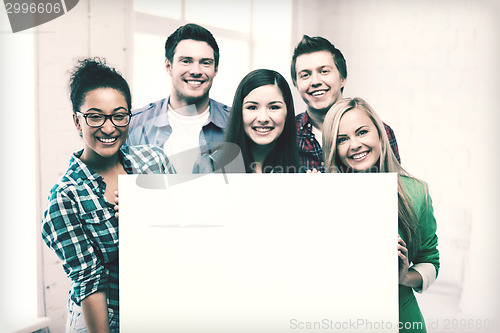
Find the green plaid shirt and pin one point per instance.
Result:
(81, 227)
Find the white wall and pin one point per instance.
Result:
(18, 239)
(430, 69)
(427, 67)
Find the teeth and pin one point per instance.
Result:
(359, 156)
(195, 83)
(107, 140)
(318, 93)
(262, 129)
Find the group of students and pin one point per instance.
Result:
(187, 132)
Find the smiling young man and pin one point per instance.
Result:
(319, 72)
(188, 122)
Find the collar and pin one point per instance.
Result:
(162, 118)
(216, 115)
(80, 167)
(305, 123)
(83, 171)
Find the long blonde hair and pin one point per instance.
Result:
(407, 218)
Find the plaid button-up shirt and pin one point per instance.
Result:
(310, 152)
(80, 224)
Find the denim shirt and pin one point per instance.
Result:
(150, 125)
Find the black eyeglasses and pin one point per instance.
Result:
(97, 120)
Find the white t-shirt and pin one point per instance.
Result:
(318, 135)
(183, 145)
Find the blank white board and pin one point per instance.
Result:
(258, 253)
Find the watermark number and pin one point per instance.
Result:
(32, 8)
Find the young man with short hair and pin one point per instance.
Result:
(319, 72)
(188, 122)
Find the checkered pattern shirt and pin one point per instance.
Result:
(80, 224)
(310, 152)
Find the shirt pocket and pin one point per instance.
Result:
(101, 226)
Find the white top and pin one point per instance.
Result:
(318, 135)
(183, 145)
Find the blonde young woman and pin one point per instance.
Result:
(354, 140)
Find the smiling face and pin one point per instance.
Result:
(358, 143)
(192, 71)
(106, 140)
(318, 80)
(264, 114)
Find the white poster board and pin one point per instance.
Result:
(260, 253)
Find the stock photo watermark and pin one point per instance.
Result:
(27, 14)
(360, 324)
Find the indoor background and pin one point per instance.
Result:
(429, 68)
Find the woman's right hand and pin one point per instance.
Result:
(407, 276)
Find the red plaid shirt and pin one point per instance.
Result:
(310, 152)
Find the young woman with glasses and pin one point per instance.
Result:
(80, 223)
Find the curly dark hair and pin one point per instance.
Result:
(93, 73)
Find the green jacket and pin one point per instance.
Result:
(409, 312)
